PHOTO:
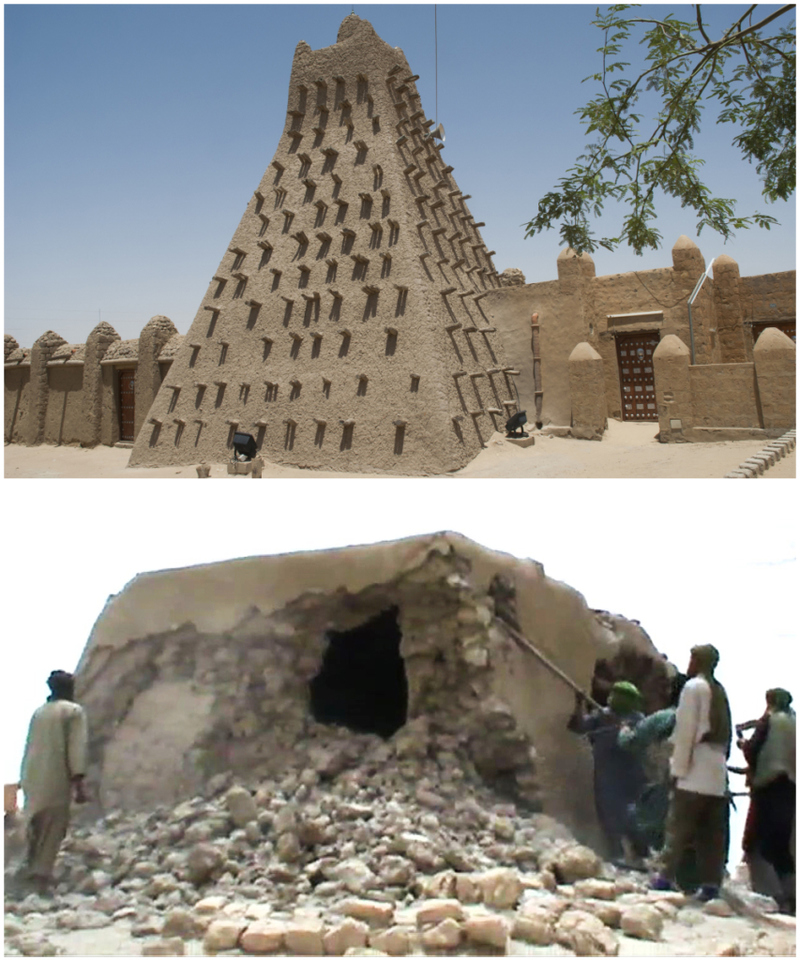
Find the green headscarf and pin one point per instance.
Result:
(720, 730)
(624, 697)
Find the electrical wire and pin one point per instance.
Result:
(436, 60)
(667, 306)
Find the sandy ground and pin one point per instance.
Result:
(627, 450)
(694, 935)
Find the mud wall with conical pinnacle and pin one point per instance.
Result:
(544, 322)
(193, 672)
(344, 327)
(67, 393)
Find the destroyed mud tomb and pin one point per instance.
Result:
(259, 666)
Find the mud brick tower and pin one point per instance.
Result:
(344, 328)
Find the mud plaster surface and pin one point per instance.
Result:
(627, 450)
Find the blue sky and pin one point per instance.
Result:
(135, 135)
(689, 573)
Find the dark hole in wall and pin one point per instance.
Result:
(362, 682)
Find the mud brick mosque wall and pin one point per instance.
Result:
(581, 307)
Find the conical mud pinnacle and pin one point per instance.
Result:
(343, 329)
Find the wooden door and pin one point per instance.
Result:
(789, 327)
(127, 386)
(636, 379)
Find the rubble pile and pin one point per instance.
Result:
(353, 855)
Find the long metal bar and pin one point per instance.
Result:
(692, 298)
(436, 56)
(525, 644)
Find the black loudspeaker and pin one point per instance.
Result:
(244, 444)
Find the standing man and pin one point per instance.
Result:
(771, 755)
(618, 775)
(53, 768)
(698, 812)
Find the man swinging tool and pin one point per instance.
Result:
(618, 776)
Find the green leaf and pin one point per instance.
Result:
(748, 75)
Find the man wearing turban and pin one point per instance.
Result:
(771, 754)
(698, 812)
(618, 775)
(53, 768)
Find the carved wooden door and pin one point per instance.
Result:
(637, 382)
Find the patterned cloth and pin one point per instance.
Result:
(652, 804)
(651, 729)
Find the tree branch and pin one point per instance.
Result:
(751, 78)
(682, 132)
(777, 52)
(727, 39)
(700, 23)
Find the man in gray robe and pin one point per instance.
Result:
(53, 768)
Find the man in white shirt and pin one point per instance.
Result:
(53, 768)
(698, 814)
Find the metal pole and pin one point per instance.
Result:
(527, 645)
(436, 58)
(692, 298)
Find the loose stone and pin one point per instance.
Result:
(536, 929)
(396, 941)
(501, 887)
(170, 947)
(436, 911)
(489, 930)
(371, 911)
(642, 921)
(349, 933)
(263, 936)
(304, 937)
(586, 935)
(223, 935)
(444, 936)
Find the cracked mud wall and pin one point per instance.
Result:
(64, 419)
(16, 398)
(194, 672)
